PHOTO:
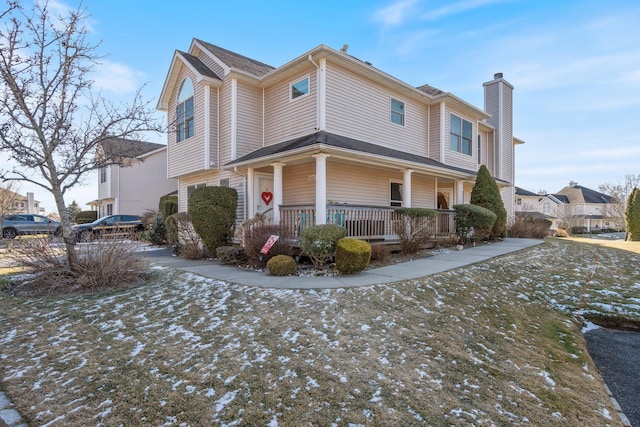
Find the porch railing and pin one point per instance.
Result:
(361, 221)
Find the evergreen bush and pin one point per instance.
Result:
(282, 265)
(213, 214)
(632, 216)
(168, 205)
(319, 242)
(486, 193)
(352, 255)
(473, 218)
(85, 217)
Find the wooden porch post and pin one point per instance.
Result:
(406, 188)
(277, 190)
(321, 188)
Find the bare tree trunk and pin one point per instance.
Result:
(68, 234)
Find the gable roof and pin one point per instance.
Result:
(592, 196)
(523, 192)
(561, 198)
(127, 148)
(433, 91)
(327, 139)
(237, 61)
(198, 66)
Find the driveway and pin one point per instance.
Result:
(617, 356)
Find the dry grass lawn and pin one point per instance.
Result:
(495, 343)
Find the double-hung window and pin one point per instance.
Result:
(191, 188)
(461, 135)
(184, 112)
(397, 112)
(395, 194)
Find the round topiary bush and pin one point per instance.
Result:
(282, 265)
(352, 255)
(213, 214)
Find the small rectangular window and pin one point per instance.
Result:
(103, 174)
(300, 88)
(110, 209)
(397, 112)
(224, 182)
(396, 194)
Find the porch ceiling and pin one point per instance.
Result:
(299, 149)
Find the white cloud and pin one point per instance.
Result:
(116, 77)
(395, 14)
(459, 7)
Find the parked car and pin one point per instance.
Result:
(110, 225)
(17, 224)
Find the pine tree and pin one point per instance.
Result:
(633, 216)
(486, 193)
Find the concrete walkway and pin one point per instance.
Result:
(442, 261)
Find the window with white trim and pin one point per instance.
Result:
(103, 174)
(397, 112)
(460, 136)
(224, 182)
(299, 88)
(395, 194)
(184, 111)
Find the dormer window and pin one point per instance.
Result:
(184, 111)
(299, 88)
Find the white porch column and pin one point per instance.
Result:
(321, 188)
(251, 193)
(277, 190)
(406, 188)
(459, 192)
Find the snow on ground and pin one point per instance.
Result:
(187, 350)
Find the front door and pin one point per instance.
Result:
(263, 199)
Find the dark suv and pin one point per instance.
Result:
(112, 225)
(15, 224)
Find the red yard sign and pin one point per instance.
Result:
(270, 242)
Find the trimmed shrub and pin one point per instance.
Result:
(319, 242)
(255, 238)
(168, 205)
(579, 229)
(85, 217)
(530, 228)
(473, 221)
(282, 265)
(632, 216)
(352, 255)
(231, 255)
(486, 193)
(213, 215)
(414, 227)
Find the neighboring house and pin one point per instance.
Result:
(572, 206)
(327, 137)
(15, 203)
(136, 186)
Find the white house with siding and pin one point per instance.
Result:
(135, 186)
(327, 137)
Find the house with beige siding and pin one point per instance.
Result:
(135, 184)
(329, 138)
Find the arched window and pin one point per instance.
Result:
(184, 111)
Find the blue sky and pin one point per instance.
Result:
(575, 65)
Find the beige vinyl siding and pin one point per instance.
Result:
(237, 182)
(435, 145)
(360, 109)
(215, 130)
(507, 136)
(298, 188)
(423, 191)
(225, 123)
(286, 119)
(186, 156)
(249, 132)
(357, 184)
(453, 158)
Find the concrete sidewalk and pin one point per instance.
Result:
(442, 261)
